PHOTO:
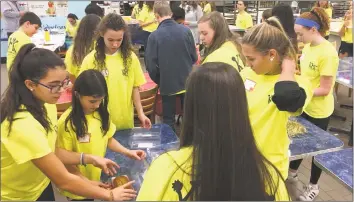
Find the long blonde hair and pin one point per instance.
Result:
(270, 35)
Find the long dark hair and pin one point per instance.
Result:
(286, 17)
(83, 42)
(116, 23)
(222, 33)
(227, 165)
(30, 64)
(88, 83)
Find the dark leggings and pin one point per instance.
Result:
(47, 194)
(315, 171)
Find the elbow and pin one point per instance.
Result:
(288, 96)
(66, 182)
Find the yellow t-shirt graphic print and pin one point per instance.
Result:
(15, 43)
(169, 178)
(227, 53)
(317, 61)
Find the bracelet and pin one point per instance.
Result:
(81, 158)
(111, 196)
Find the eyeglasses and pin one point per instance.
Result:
(56, 89)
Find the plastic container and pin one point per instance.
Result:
(153, 152)
(141, 138)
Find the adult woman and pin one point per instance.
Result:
(193, 14)
(320, 68)
(218, 159)
(28, 133)
(83, 44)
(114, 57)
(71, 25)
(221, 45)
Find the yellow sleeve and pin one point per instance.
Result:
(65, 138)
(112, 130)
(207, 8)
(328, 66)
(249, 22)
(27, 141)
(139, 78)
(69, 63)
(143, 15)
(155, 180)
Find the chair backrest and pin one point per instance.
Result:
(148, 99)
(62, 107)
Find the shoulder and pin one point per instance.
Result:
(180, 156)
(90, 56)
(64, 116)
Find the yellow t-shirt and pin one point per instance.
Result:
(173, 166)
(97, 144)
(136, 10)
(244, 20)
(348, 35)
(70, 67)
(315, 63)
(207, 8)
(148, 16)
(21, 180)
(120, 87)
(15, 42)
(329, 13)
(264, 115)
(70, 29)
(227, 53)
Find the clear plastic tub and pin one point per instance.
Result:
(153, 152)
(141, 138)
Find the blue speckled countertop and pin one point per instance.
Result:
(338, 164)
(345, 72)
(314, 141)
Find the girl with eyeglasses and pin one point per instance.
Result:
(29, 133)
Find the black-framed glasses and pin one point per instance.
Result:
(56, 89)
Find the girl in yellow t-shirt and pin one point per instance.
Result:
(221, 45)
(86, 126)
(114, 58)
(346, 32)
(320, 68)
(329, 11)
(243, 19)
(29, 133)
(137, 9)
(216, 127)
(274, 91)
(83, 45)
(72, 25)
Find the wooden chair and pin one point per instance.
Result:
(62, 107)
(148, 99)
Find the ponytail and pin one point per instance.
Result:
(30, 64)
(270, 35)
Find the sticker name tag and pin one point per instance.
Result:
(85, 139)
(250, 85)
(105, 72)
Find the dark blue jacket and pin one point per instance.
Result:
(170, 55)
